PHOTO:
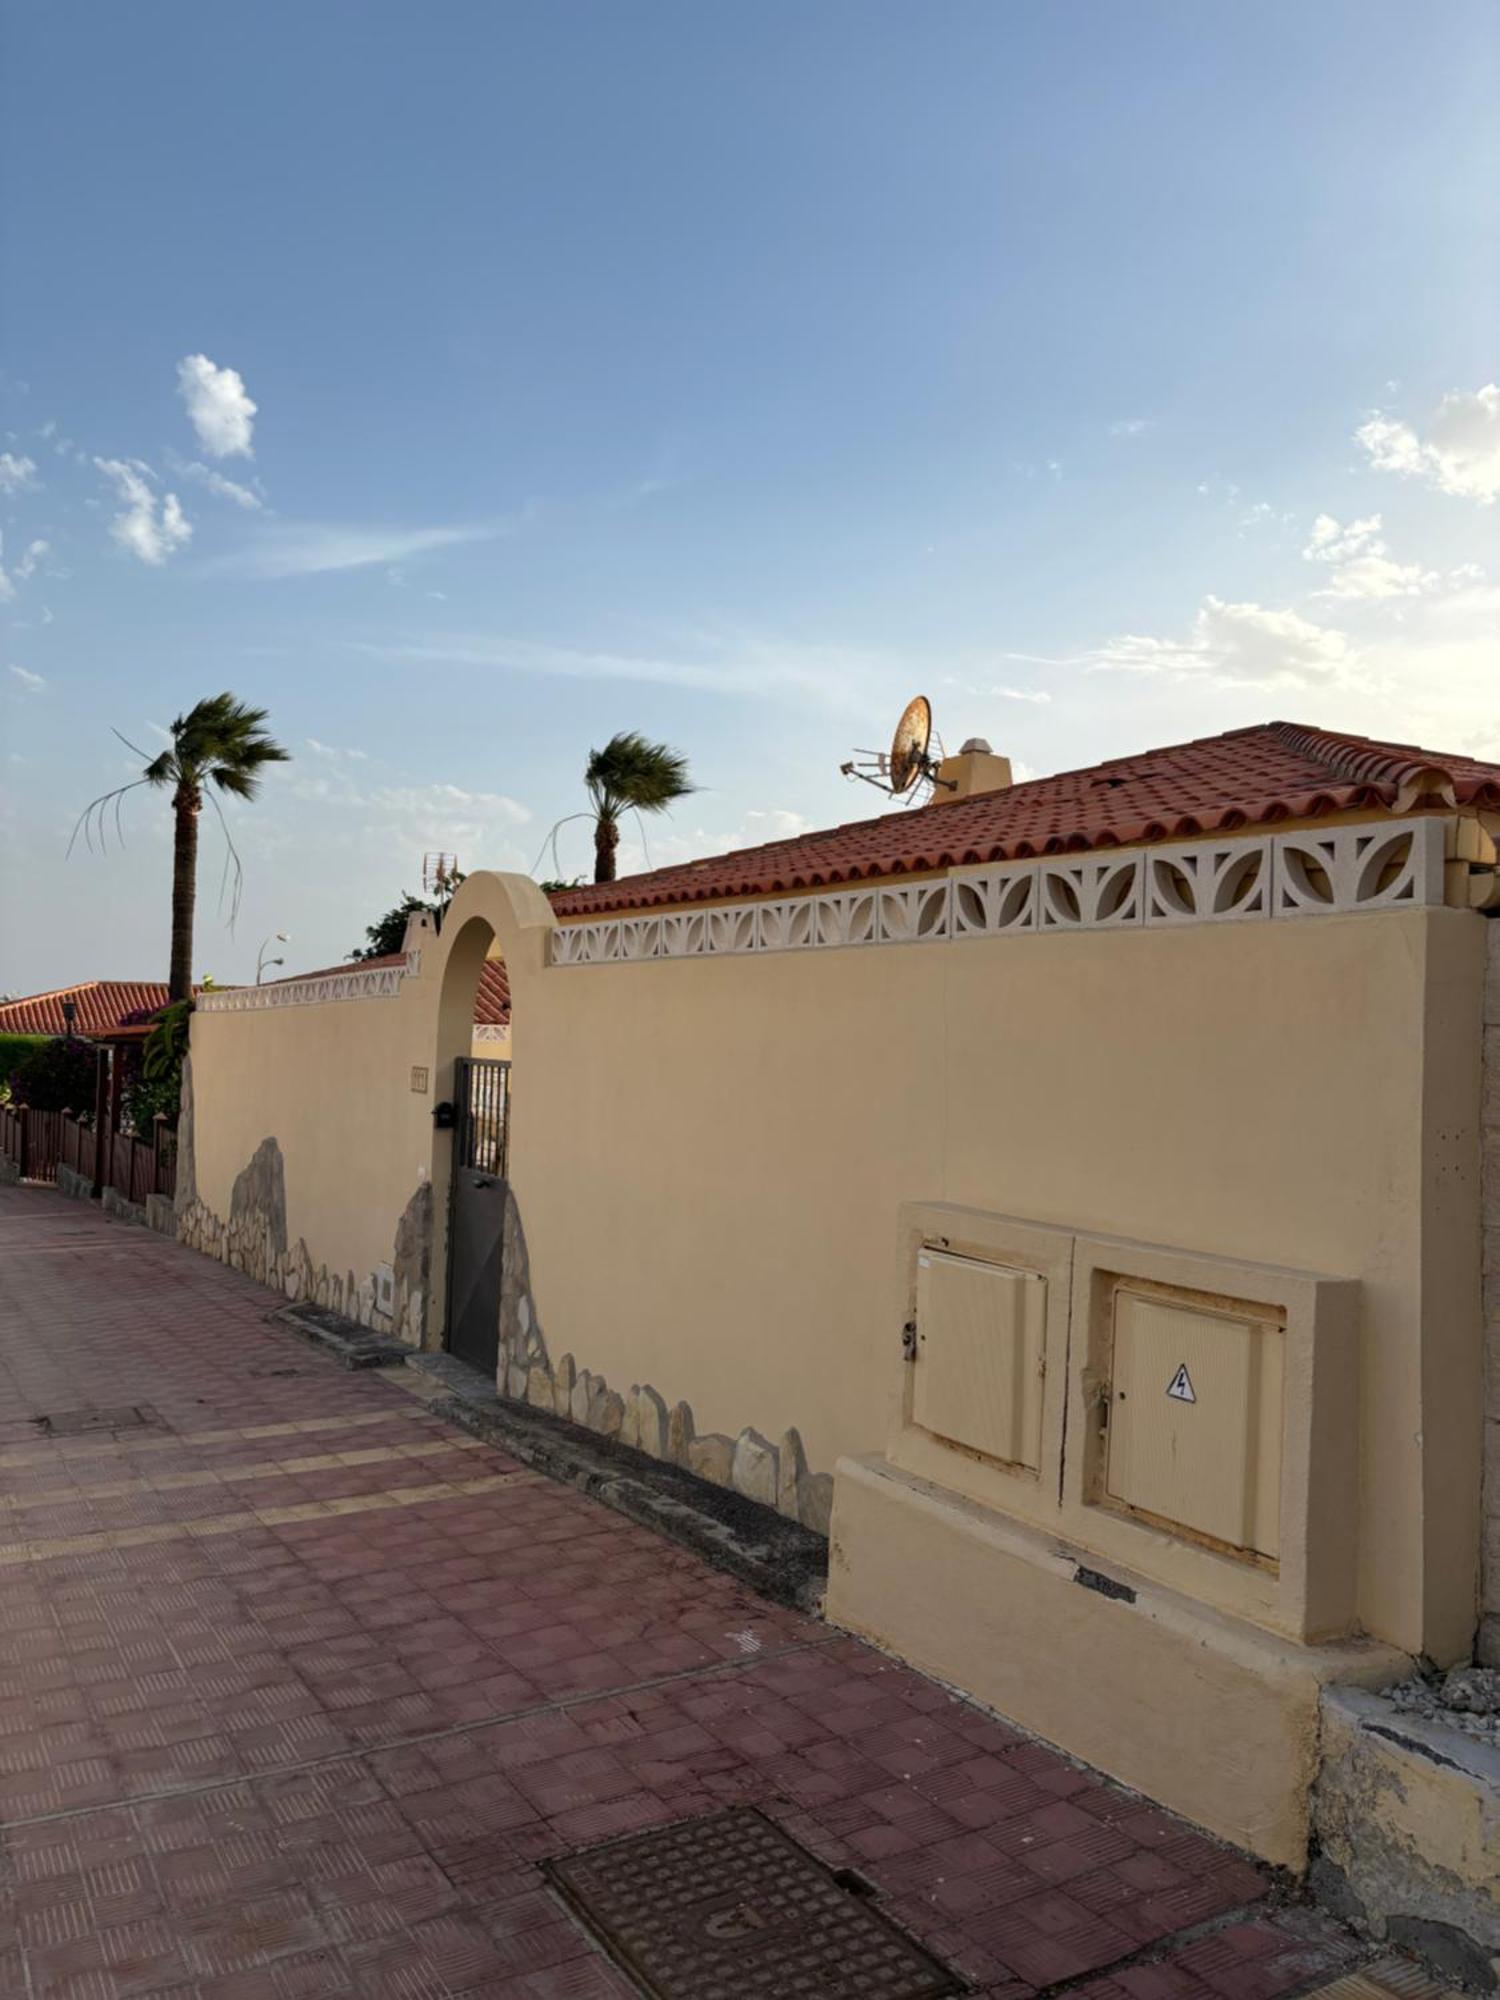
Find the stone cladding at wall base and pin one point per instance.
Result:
(1489, 1628)
(254, 1240)
(776, 1475)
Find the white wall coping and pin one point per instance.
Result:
(358, 982)
(1380, 866)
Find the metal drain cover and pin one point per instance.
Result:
(78, 1423)
(728, 1907)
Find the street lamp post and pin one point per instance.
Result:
(279, 937)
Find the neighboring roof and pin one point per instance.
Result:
(102, 1005)
(491, 1000)
(1249, 777)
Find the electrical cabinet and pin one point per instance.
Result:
(1194, 1434)
(979, 1361)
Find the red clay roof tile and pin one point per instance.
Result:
(491, 1000)
(102, 1005)
(1249, 777)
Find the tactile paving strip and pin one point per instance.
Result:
(728, 1907)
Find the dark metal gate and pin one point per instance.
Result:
(476, 1210)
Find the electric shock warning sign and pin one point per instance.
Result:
(1180, 1388)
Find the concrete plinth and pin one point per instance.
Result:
(1212, 1716)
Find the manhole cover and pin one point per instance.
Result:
(727, 1907)
(77, 1423)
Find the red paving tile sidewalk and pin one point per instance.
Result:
(257, 1743)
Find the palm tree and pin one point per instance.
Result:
(219, 745)
(629, 775)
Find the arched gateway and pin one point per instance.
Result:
(471, 1137)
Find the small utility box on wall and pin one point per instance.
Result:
(1172, 1415)
(1195, 1419)
(981, 1331)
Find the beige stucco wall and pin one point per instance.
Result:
(709, 1157)
(732, 1140)
(331, 1084)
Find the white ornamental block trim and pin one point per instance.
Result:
(368, 982)
(1343, 870)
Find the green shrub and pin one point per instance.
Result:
(55, 1075)
(13, 1050)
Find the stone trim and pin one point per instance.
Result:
(1489, 1121)
(1310, 872)
(392, 1300)
(776, 1475)
(378, 982)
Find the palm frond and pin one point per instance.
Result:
(551, 841)
(231, 859)
(94, 818)
(632, 773)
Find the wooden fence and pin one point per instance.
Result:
(36, 1142)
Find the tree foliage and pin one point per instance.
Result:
(56, 1075)
(630, 774)
(13, 1051)
(220, 745)
(387, 934)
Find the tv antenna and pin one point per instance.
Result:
(438, 871)
(908, 770)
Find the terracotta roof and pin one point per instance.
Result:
(102, 1005)
(491, 1001)
(329, 971)
(1247, 778)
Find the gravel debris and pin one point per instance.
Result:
(1466, 1698)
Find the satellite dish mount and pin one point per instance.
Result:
(908, 770)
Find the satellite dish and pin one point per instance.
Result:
(908, 770)
(908, 758)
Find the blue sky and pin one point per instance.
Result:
(1113, 373)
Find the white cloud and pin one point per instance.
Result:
(1459, 455)
(312, 548)
(227, 489)
(1132, 427)
(21, 571)
(664, 845)
(33, 683)
(729, 663)
(987, 691)
(332, 750)
(149, 529)
(775, 823)
(1239, 645)
(1377, 575)
(451, 804)
(1334, 541)
(220, 411)
(16, 471)
(1362, 565)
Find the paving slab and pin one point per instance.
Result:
(301, 1688)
